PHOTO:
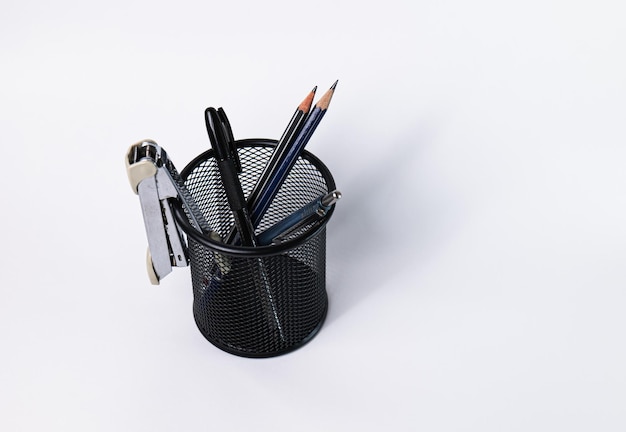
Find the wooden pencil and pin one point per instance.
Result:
(291, 131)
(280, 172)
(289, 135)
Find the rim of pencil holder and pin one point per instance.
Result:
(257, 251)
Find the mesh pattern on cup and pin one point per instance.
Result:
(258, 306)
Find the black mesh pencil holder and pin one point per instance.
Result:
(262, 301)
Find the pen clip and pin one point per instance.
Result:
(310, 214)
(315, 217)
(230, 139)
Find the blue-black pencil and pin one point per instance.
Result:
(295, 148)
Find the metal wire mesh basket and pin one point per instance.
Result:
(267, 300)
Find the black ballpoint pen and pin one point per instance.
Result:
(218, 128)
(230, 139)
(228, 172)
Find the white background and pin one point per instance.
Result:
(475, 264)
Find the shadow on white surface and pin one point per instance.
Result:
(388, 222)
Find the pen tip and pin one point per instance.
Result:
(334, 85)
(314, 89)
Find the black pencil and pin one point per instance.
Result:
(291, 132)
(279, 174)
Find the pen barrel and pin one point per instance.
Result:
(244, 227)
(230, 180)
(289, 222)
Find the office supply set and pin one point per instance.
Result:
(257, 263)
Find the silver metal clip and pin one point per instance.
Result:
(154, 178)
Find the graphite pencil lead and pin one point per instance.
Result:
(305, 105)
(334, 85)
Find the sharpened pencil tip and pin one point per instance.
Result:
(305, 105)
(326, 97)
